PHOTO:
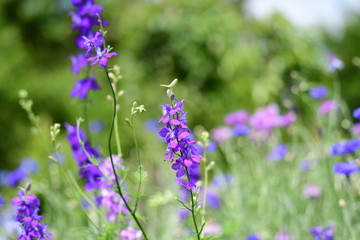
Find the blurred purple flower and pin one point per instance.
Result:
(222, 180)
(279, 152)
(152, 125)
(16, 176)
(78, 62)
(347, 147)
(2, 201)
(83, 86)
(236, 118)
(356, 113)
(29, 165)
(283, 235)
(346, 168)
(311, 190)
(240, 130)
(318, 92)
(221, 134)
(253, 237)
(130, 234)
(334, 63)
(327, 106)
(212, 228)
(320, 233)
(212, 147)
(355, 130)
(96, 126)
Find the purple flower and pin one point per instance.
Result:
(89, 172)
(222, 180)
(279, 152)
(355, 130)
(318, 92)
(311, 190)
(93, 42)
(96, 126)
(2, 201)
(78, 62)
(221, 134)
(212, 228)
(28, 207)
(253, 237)
(236, 118)
(213, 199)
(343, 148)
(82, 87)
(240, 130)
(327, 106)
(320, 233)
(346, 168)
(101, 57)
(16, 177)
(130, 234)
(29, 165)
(212, 147)
(356, 113)
(334, 63)
(283, 235)
(181, 148)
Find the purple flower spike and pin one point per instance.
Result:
(356, 113)
(180, 144)
(346, 168)
(101, 57)
(28, 207)
(318, 92)
(82, 87)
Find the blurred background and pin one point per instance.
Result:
(227, 55)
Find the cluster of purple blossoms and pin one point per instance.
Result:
(346, 168)
(181, 147)
(28, 217)
(108, 197)
(130, 234)
(84, 19)
(88, 171)
(320, 233)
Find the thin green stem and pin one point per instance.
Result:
(205, 185)
(139, 163)
(117, 137)
(112, 161)
(193, 208)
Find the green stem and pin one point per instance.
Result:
(139, 163)
(117, 137)
(111, 158)
(205, 185)
(193, 208)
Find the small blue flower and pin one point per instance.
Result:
(279, 152)
(240, 130)
(318, 92)
(30, 165)
(253, 237)
(356, 113)
(346, 168)
(320, 233)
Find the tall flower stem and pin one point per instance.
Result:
(117, 137)
(112, 161)
(193, 208)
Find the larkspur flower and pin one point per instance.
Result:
(327, 106)
(83, 86)
(356, 113)
(318, 92)
(279, 152)
(89, 172)
(93, 42)
(78, 62)
(101, 57)
(346, 168)
(320, 233)
(181, 149)
(28, 207)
